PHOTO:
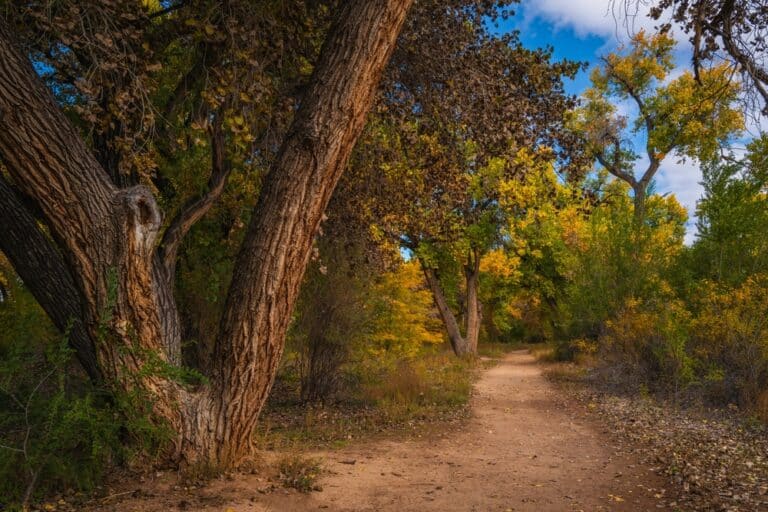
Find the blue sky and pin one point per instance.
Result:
(584, 30)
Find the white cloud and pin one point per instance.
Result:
(613, 20)
(602, 18)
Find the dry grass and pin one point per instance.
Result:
(400, 396)
(300, 472)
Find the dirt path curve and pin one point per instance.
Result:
(523, 450)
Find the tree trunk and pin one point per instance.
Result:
(107, 237)
(472, 277)
(459, 345)
(638, 202)
(41, 268)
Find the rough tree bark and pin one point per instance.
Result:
(107, 236)
(458, 343)
(639, 187)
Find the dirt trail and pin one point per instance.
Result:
(523, 450)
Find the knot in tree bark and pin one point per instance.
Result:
(142, 217)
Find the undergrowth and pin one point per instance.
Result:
(381, 397)
(300, 472)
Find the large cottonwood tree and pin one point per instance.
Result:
(111, 262)
(734, 30)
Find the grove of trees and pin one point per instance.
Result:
(189, 187)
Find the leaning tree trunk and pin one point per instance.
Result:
(458, 343)
(466, 344)
(107, 237)
(41, 267)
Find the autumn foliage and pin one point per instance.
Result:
(470, 202)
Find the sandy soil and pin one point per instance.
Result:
(523, 450)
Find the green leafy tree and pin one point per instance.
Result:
(732, 241)
(689, 116)
(434, 156)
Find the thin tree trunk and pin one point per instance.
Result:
(472, 276)
(639, 206)
(458, 343)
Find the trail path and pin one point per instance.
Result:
(523, 450)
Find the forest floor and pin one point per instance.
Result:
(525, 448)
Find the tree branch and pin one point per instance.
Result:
(759, 76)
(642, 107)
(42, 269)
(196, 208)
(615, 167)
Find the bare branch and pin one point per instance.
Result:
(196, 208)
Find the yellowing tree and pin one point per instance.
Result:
(404, 319)
(544, 217)
(682, 115)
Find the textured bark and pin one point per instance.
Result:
(277, 246)
(465, 344)
(40, 265)
(107, 235)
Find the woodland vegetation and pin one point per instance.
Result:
(199, 197)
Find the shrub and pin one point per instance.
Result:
(412, 387)
(730, 334)
(300, 473)
(646, 343)
(345, 320)
(55, 431)
(331, 318)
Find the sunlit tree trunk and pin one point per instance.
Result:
(458, 342)
(472, 280)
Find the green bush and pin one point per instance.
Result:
(56, 431)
